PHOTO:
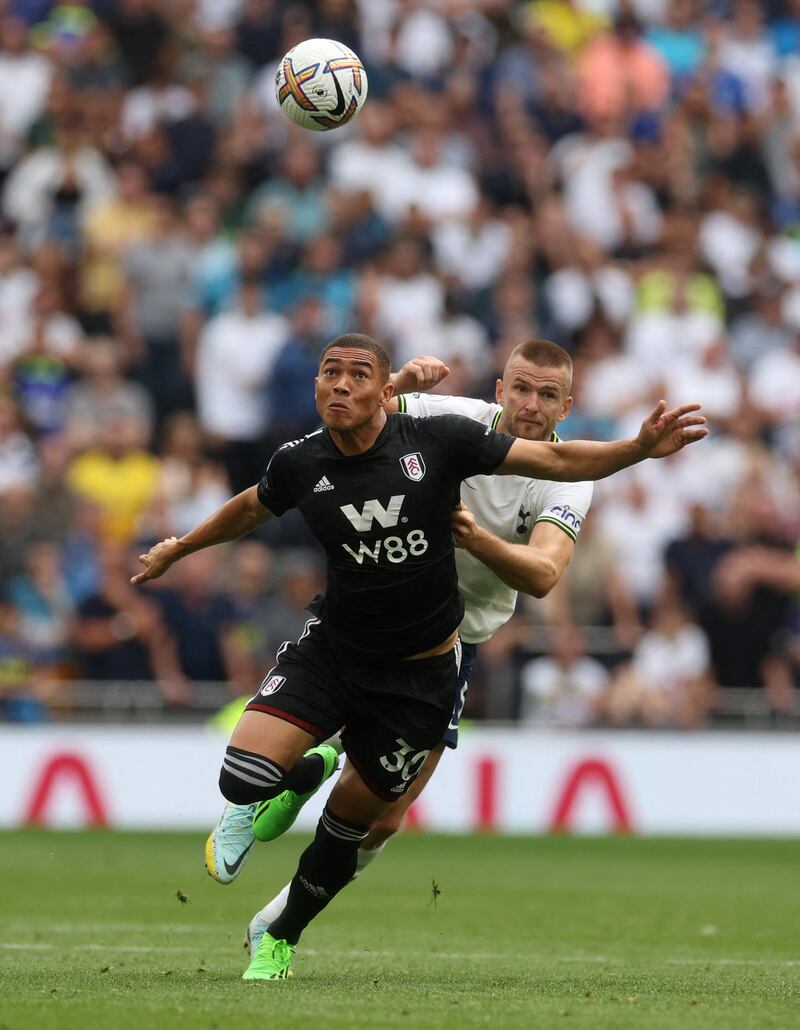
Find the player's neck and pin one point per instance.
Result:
(358, 440)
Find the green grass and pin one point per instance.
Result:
(526, 933)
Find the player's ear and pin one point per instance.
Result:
(565, 410)
(387, 392)
(498, 391)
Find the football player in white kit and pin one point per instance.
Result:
(513, 534)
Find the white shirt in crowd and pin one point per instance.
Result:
(660, 340)
(729, 245)
(639, 516)
(441, 192)
(572, 295)
(235, 358)
(663, 660)
(473, 255)
(553, 693)
(507, 506)
(24, 83)
(774, 384)
(408, 308)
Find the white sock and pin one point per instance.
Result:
(274, 908)
(367, 855)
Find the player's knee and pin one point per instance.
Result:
(247, 777)
(385, 827)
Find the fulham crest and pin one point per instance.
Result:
(413, 466)
(271, 684)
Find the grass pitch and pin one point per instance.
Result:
(526, 932)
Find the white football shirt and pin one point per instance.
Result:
(507, 506)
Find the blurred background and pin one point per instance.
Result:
(622, 178)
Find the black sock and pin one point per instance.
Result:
(305, 774)
(327, 865)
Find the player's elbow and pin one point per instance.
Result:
(542, 581)
(540, 589)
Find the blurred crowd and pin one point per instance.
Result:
(620, 177)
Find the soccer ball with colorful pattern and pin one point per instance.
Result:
(321, 84)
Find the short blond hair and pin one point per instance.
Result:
(542, 352)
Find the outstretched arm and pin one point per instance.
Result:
(420, 374)
(663, 433)
(238, 516)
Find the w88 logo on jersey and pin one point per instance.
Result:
(394, 548)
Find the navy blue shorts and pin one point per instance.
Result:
(469, 653)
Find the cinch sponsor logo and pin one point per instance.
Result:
(361, 521)
(565, 513)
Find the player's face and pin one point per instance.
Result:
(534, 399)
(350, 388)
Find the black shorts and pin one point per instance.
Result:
(393, 714)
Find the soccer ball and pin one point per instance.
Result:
(321, 84)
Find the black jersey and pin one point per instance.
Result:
(383, 518)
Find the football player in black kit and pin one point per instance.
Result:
(379, 654)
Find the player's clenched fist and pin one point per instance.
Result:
(158, 559)
(463, 525)
(420, 374)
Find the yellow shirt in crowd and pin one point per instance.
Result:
(123, 489)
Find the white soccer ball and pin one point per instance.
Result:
(321, 84)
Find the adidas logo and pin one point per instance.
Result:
(317, 892)
(324, 484)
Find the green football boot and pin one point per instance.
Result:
(274, 817)
(272, 960)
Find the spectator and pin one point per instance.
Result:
(194, 485)
(158, 276)
(252, 583)
(566, 688)
(668, 681)
(111, 229)
(692, 558)
(620, 73)
(299, 578)
(48, 193)
(430, 185)
(408, 298)
(120, 477)
(297, 197)
(102, 394)
(258, 31)
(120, 633)
(24, 83)
(42, 599)
(18, 465)
(139, 32)
(18, 694)
(201, 620)
(236, 355)
(290, 396)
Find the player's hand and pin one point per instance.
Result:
(665, 432)
(420, 374)
(157, 560)
(464, 526)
